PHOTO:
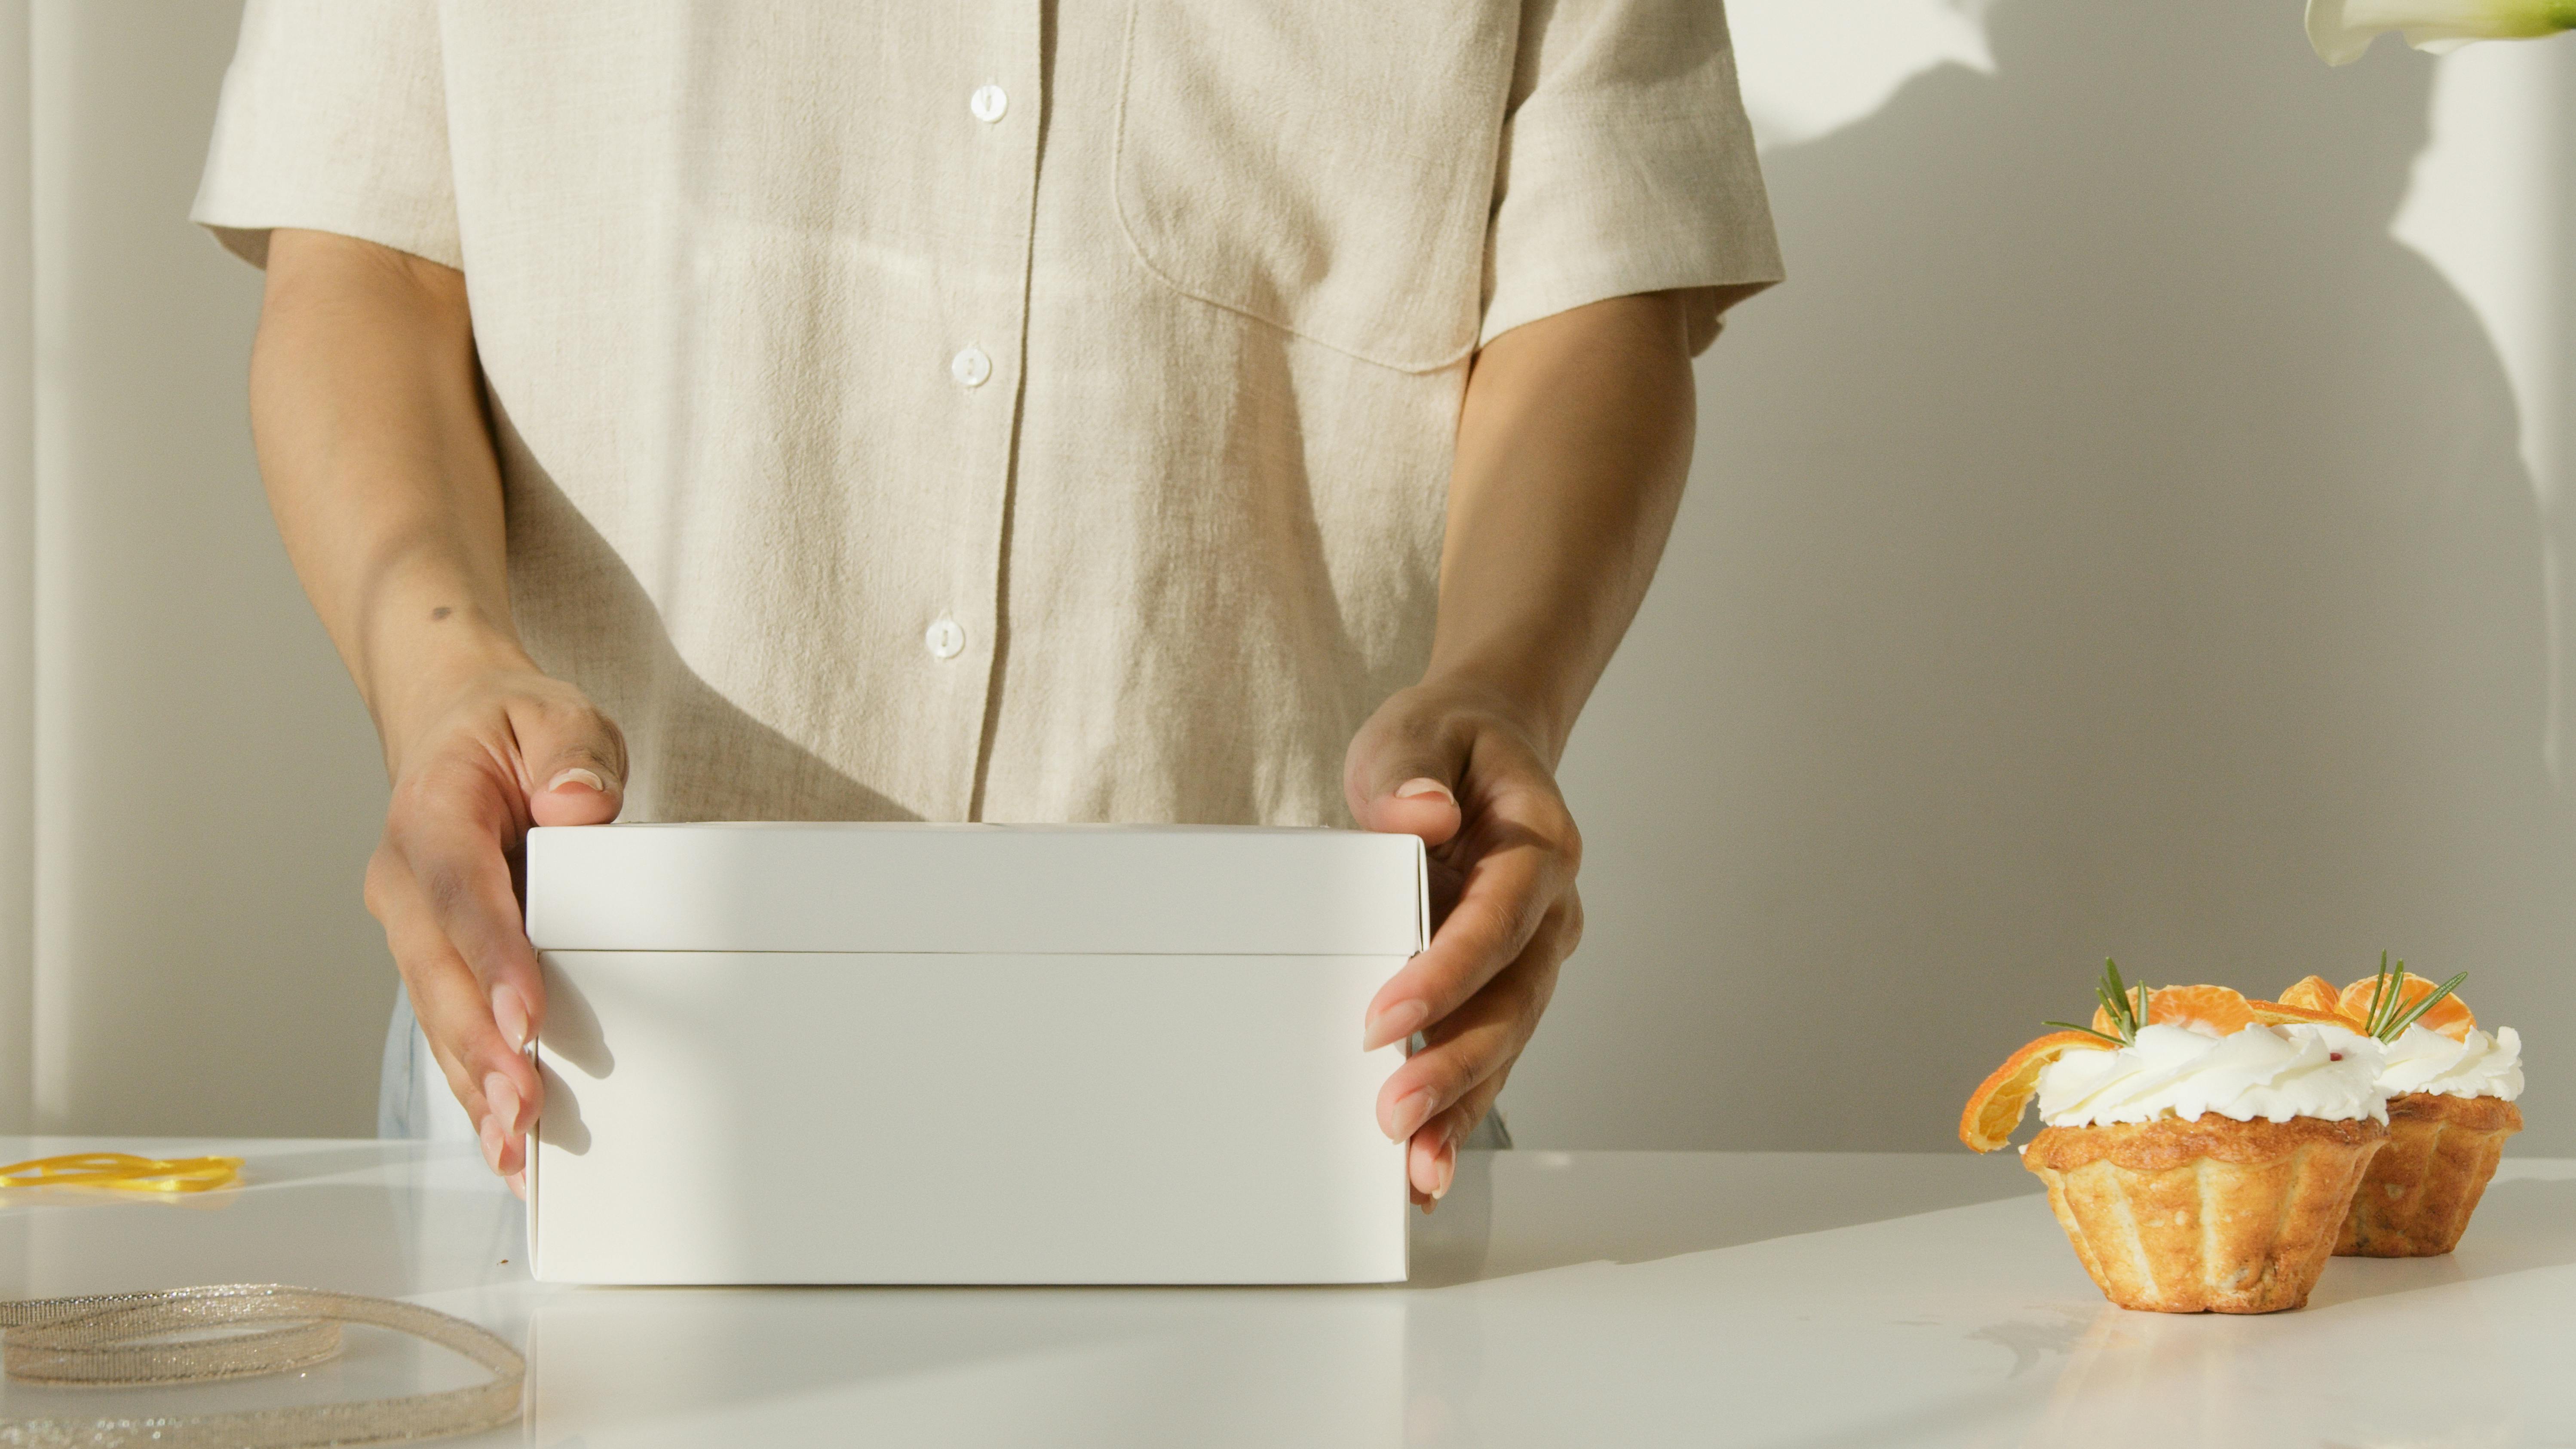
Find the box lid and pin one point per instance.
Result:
(1124, 889)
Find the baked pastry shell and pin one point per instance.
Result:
(2206, 1215)
(2416, 1198)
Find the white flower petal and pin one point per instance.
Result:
(2341, 30)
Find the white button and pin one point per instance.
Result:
(970, 367)
(988, 103)
(945, 639)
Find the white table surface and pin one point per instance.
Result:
(1559, 1299)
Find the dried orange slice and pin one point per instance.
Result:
(2450, 1016)
(2209, 1010)
(1995, 1108)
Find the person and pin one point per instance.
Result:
(1037, 410)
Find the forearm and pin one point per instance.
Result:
(1573, 445)
(366, 409)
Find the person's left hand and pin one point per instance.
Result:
(1459, 768)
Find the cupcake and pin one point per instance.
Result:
(2200, 1150)
(2451, 1105)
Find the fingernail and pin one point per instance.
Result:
(578, 777)
(503, 1098)
(1394, 1024)
(519, 1183)
(490, 1133)
(1448, 1172)
(1416, 789)
(1411, 1112)
(510, 1013)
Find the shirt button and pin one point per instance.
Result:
(945, 639)
(970, 367)
(988, 103)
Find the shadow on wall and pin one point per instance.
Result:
(716, 761)
(2111, 542)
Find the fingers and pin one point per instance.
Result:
(1399, 777)
(576, 763)
(1477, 1041)
(511, 748)
(1422, 806)
(1461, 770)
(441, 885)
(1431, 1158)
(451, 834)
(496, 1084)
(1439, 1094)
(1521, 866)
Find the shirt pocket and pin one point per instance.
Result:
(1326, 167)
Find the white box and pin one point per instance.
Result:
(805, 1053)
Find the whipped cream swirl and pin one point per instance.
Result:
(2271, 1072)
(2481, 1066)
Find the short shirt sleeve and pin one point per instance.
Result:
(333, 118)
(1628, 166)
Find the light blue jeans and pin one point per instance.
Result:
(412, 1099)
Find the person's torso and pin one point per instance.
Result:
(1032, 412)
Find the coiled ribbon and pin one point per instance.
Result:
(127, 1338)
(123, 1171)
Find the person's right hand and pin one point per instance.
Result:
(497, 750)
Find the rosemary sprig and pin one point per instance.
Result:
(2383, 1001)
(2088, 1031)
(2390, 1014)
(2126, 1014)
(2426, 1003)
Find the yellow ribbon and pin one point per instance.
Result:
(124, 1171)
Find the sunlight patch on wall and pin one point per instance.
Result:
(2486, 207)
(1812, 68)
(2483, 208)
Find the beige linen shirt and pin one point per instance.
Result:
(1001, 409)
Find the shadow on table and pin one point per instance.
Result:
(2520, 1226)
(1512, 1213)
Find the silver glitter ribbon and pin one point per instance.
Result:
(159, 1338)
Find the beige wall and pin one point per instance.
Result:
(17, 593)
(2111, 542)
(206, 783)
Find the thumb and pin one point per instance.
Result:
(576, 765)
(1401, 779)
